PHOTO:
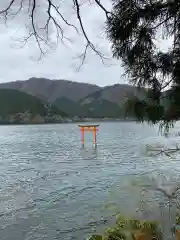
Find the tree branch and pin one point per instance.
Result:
(89, 43)
(103, 8)
(52, 9)
(167, 152)
(8, 8)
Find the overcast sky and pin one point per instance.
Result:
(21, 63)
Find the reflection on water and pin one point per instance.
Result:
(51, 188)
(89, 153)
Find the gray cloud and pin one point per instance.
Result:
(20, 63)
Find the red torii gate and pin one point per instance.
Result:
(89, 128)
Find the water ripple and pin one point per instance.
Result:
(51, 188)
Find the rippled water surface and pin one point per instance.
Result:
(52, 189)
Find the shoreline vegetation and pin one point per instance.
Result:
(29, 119)
(126, 229)
(135, 229)
(17, 107)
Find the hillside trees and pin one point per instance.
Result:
(132, 27)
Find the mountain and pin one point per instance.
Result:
(109, 101)
(117, 93)
(101, 108)
(50, 90)
(70, 107)
(78, 99)
(94, 109)
(17, 106)
(53, 90)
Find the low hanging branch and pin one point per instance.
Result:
(132, 28)
(55, 18)
(166, 151)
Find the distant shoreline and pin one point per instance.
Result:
(68, 121)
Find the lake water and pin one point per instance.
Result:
(51, 188)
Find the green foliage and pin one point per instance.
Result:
(70, 107)
(132, 28)
(145, 111)
(178, 219)
(96, 108)
(96, 237)
(101, 108)
(13, 102)
(125, 229)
